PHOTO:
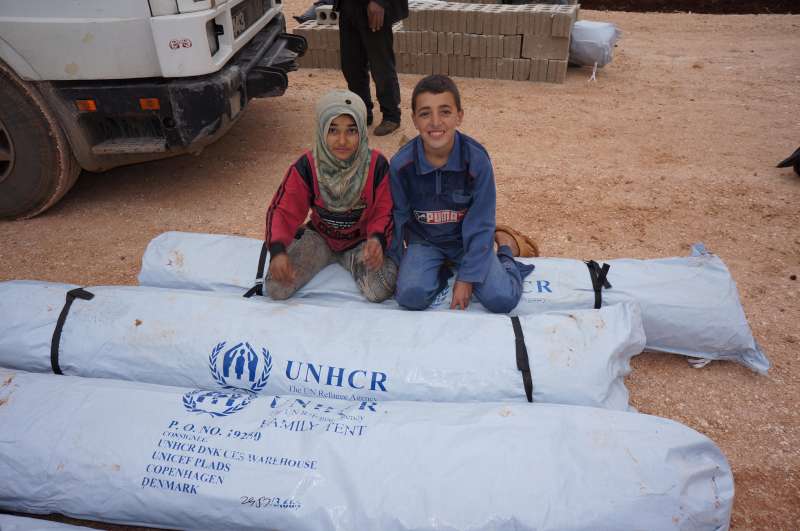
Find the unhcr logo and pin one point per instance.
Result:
(240, 367)
(216, 403)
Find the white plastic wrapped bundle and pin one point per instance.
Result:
(9, 522)
(142, 454)
(592, 43)
(690, 305)
(209, 340)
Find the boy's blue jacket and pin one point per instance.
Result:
(451, 207)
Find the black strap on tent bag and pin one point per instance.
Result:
(77, 293)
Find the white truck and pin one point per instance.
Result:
(94, 84)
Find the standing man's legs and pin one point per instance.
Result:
(355, 66)
(364, 51)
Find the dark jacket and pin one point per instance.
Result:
(450, 207)
(396, 10)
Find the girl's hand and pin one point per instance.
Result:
(372, 254)
(281, 270)
(462, 293)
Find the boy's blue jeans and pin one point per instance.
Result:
(420, 278)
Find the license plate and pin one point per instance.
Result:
(246, 13)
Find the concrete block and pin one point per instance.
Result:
(428, 20)
(326, 15)
(486, 21)
(332, 42)
(427, 45)
(522, 69)
(526, 20)
(556, 71)
(452, 64)
(475, 66)
(415, 42)
(508, 22)
(545, 47)
(427, 65)
(408, 63)
(474, 20)
(512, 46)
(333, 59)
(446, 41)
(411, 23)
(494, 46)
(488, 67)
(478, 46)
(460, 16)
(400, 42)
(495, 20)
(304, 61)
(505, 68)
(538, 70)
(544, 21)
(459, 40)
(441, 64)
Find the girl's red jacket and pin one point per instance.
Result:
(299, 193)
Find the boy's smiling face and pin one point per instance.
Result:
(437, 118)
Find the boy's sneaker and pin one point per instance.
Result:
(386, 127)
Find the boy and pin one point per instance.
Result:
(444, 210)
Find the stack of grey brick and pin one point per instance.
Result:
(323, 45)
(522, 42)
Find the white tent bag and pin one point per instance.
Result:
(209, 340)
(168, 457)
(690, 305)
(9, 522)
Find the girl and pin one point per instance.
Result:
(345, 187)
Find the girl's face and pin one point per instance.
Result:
(342, 137)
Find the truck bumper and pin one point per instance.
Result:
(191, 112)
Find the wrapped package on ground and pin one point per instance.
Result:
(212, 340)
(143, 454)
(690, 305)
(10, 522)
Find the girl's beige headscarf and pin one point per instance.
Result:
(341, 181)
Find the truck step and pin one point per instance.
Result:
(117, 146)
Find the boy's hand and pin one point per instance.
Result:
(281, 270)
(462, 293)
(375, 15)
(372, 254)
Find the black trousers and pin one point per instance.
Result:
(364, 51)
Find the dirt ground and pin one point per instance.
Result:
(676, 142)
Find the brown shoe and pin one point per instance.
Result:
(386, 127)
(526, 246)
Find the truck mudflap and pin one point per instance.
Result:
(268, 77)
(190, 112)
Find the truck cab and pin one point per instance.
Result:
(95, 84)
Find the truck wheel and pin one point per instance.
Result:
(36, 163)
